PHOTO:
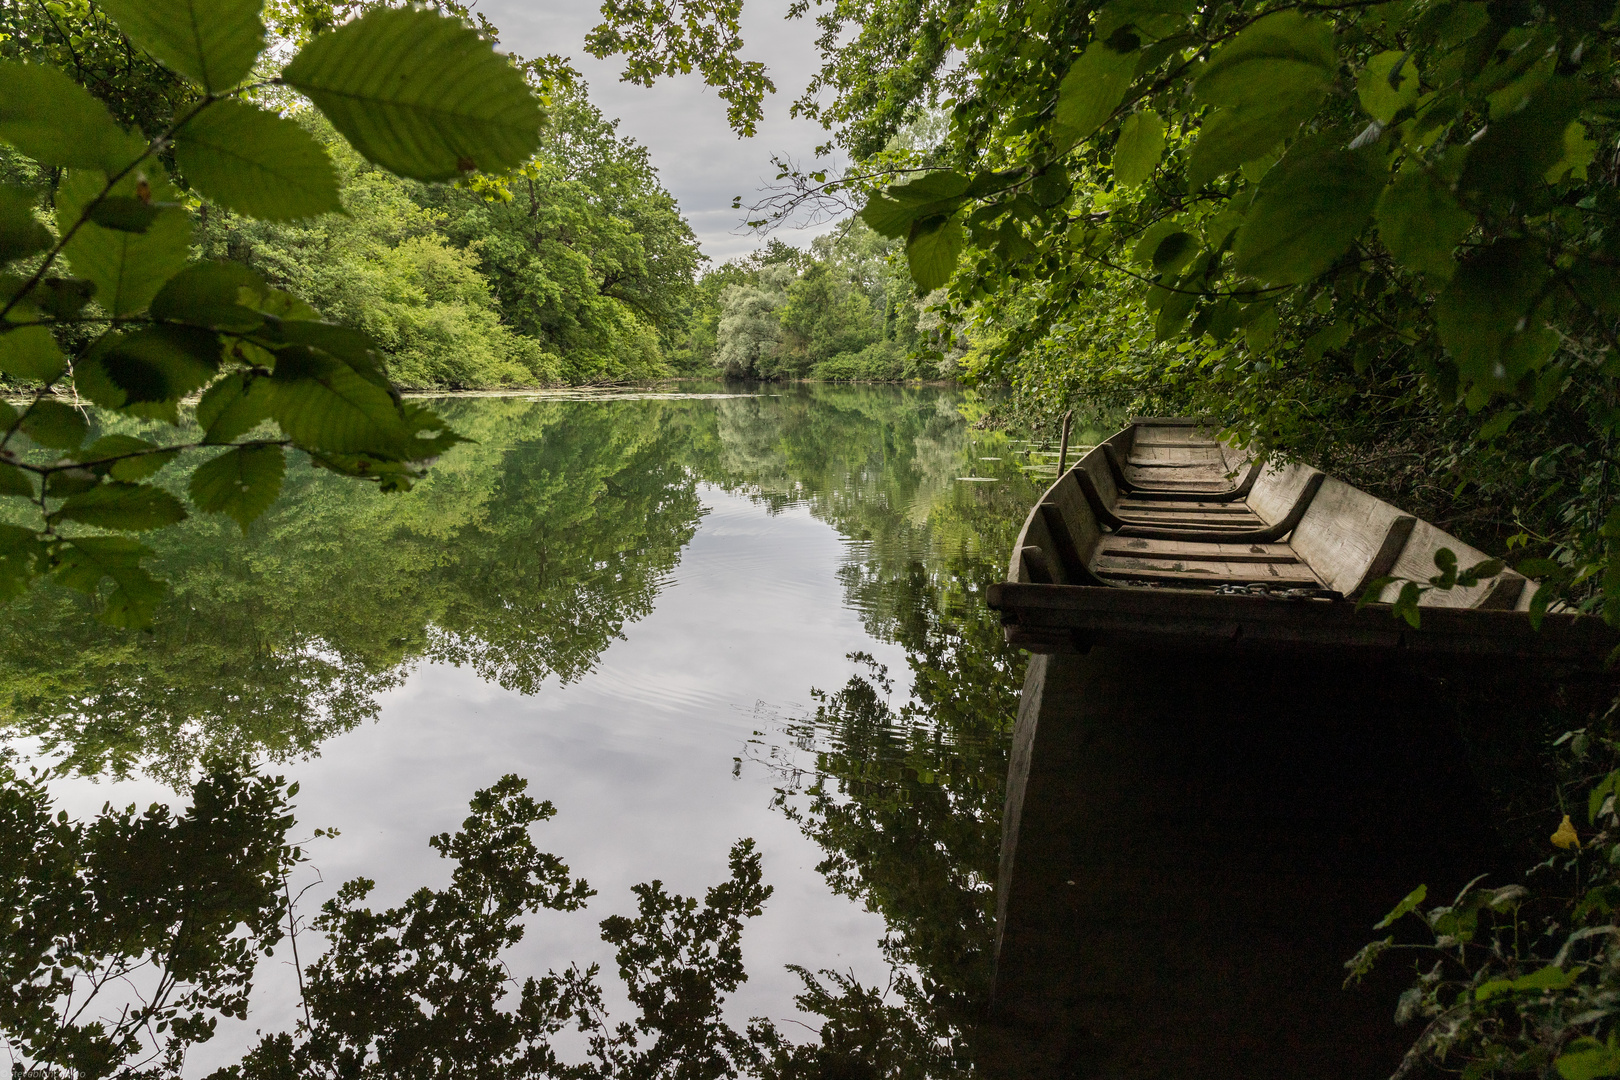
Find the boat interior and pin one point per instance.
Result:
(1163, 504)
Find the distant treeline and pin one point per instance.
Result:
(842, 310)
(577, 268)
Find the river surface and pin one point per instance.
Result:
(684, 618)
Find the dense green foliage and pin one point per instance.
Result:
(1367, 234)
(575, 269)
(138, 325)
(840, 311)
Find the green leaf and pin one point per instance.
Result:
(242, 483)
(420, 94)
(21, 233)
(117, 505)
(1154, 18)
(148, 460)
(1408, 904)
(1140, 145)
(1588, 1059)
(257, 163)
(14, 481)
(23, 557)
(30, 353)
(1283, 36)
(209, 294)
(85, 561)
(888, 217)
(154, 367)
(1385, 91)
(54, 424)
(1486, 317)
(1091, 91)
(931, 187)
(1497, 425)
(1307, 213)
(126, 213)
(127, 268)
(213, 42)
(1579, 152)
(932, 251)
(354, 347)
(1421, 224)
(1551, 977)
(1517, 150)
(62, 298)
(234, 406)
(55, 121)
(324, 405)
(1234, 136)
(1174, 252)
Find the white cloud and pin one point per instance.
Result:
(683, 122)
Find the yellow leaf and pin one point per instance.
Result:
(1565, 836)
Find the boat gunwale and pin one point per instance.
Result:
(1058, 617)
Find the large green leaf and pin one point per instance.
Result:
(127, 268)
(1140, 145)
(932, 251)
(1152, 18)
(242, 483)
(55, 424)
(85, 561)
(23, 557)
(212, 41)
(14, 481)
(257, 163)
(128, 507)
(1487, 316)
(354, 347)
(1091, 91)
(108, 455)
(1517, 150)
(30, 353)
(1385, 91)
(888, 217)
(21, 233)
(234, 406)
(892, 212)
(1308, 212)
(1264, 79)
(155, 366)
(1237, 135)
(1285, 35)
(420, 94)
(324, 405)
(1421, 223)
(55, 121)
(209, 294)
(929, 188)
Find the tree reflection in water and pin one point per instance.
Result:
(523, 557)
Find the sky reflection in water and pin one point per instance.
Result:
(613, 599)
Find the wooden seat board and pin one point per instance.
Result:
(1198, 548)
(1296, 577)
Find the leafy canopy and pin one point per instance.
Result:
(100, 300)
(1413, 189)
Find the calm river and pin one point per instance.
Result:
(684, 618)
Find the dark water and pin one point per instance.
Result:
(684, 619)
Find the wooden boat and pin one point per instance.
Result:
(1164, 532)
(1223, 773)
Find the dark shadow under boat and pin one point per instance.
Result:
(1224, 774)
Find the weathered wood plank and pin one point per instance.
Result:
(1205, 574)
(1198, 548)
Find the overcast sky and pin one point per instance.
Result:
(681, 121)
